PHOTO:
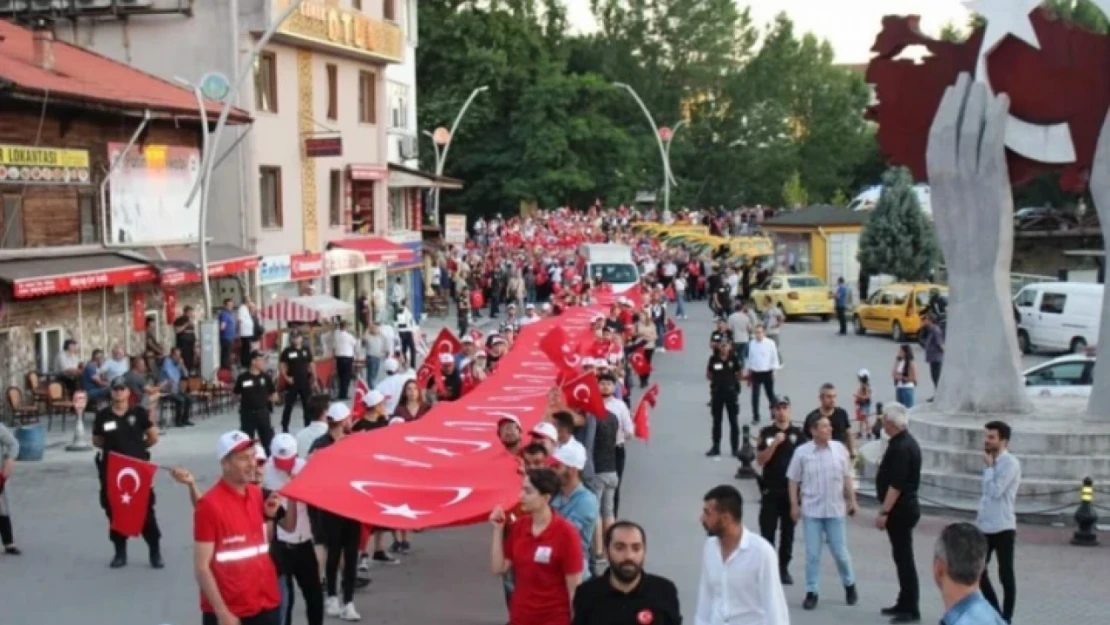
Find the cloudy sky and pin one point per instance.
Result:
(851, 25)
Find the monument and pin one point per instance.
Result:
(1026, 93)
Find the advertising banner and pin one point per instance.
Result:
(148, 194)
(31, 165)
(454, 229)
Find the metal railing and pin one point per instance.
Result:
(1018, 281)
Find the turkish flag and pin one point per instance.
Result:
(673, 341)
(640, 419)
(358, 408)
(639, 362)
(670, 294)
(582, 393)
(670, 325)
(425, 374)
(557, 346)
(445, 343)
(130, 482)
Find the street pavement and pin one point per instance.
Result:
(64, 534)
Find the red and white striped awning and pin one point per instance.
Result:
(307, 308)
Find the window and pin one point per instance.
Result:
(397, 210)
(389, 10)
(367, 97)
(1063, 374)
(270, 196)
(888, 298)
(48, 342)
(12, 228)
(90, 221)
(805, 282)
(1027, 298)
(335, 197)
(333, 91)
(265, 83)
(776, 284)
(398, 106)
(1053, 303)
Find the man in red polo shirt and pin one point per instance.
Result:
(543, 551)
(237, 579)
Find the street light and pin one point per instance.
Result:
(201, 242)
(441, 142)
(663, 150)
(670, 139)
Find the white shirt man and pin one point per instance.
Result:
(344, 344)
(626, 429)
(763, 356)
(742, 589)
(392, 341)
(245, 321)
(392, 384)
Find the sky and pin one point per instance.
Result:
(850, 25)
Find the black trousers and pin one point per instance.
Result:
(408, 347)
(225, 354)
(934, 372)
(344, 367)
(621, 458)
(842, 319)
(256, 424)
(300, 566)
(464, 321)
(899, 529)
(267, 617)
(1001, 544)
(774, 513)
(152, 534)
(649, 353)
(342, 541)
(766, 381)
(721, 401)
(293, 392)
(245, 350)
(7, 537)
(182, 407)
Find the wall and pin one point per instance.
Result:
(405, 74)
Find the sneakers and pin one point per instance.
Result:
(405, 546)
(384, 558)
(851, 596)
(810, 601)
(349, 614)
(332, 607)
(363, 563)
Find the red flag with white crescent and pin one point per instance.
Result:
(674, 341)
(583, 394)
(129, 483)
(641, 425)
(558, 347)
(445, 343)
(639, 362)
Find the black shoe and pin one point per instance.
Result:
(713, 453)
(156, 561)
(851, 597)
(188, 424)
(893, 610)
(906, 617)
(12, 550)
(120, 559)
(810, 601)
(383, 557)
(362, 582)
(786, 578)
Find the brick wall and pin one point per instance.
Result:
(50, 213)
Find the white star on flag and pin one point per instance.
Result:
(125, 498)
(402, 510)
(1004, 18)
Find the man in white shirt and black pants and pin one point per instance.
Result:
(406, 326)
(344, 350)
(763, 360)
(740, 571)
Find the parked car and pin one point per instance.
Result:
(797, 295)
(896, 309)
(1058, 316)
(1066, 376)
(1044, 218)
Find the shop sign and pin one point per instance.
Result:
(350, 31)
(30, 165)
(340, 262)
(454, 229)
(320, 147)
(275, 269)
(369, 172)
(148, 193)
(39, 287)
(306, 266)
(417, 260)
(215, 270)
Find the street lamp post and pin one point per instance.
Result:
(441, 141)
(201, 234)
(664, 150)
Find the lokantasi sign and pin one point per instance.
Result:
(448, 468)
(129, 482)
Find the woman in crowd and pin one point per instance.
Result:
(644, 335)
(412, 405)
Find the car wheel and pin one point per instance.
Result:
(858, 324)
(896, 332)
(1078, 345)
(1023, 342)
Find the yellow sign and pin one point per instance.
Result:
(343, 29)
(21, 164)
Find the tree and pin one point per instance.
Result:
(794, 195)
(899, 239)
(839, 199)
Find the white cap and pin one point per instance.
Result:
(529, 306)
(373, 398)
(513, 306)
(259, 452)
(546, 306)
(510, 418)
(497, 338)
(283, 447)
(589, 362)
(573, 455)
(467, 339)
(391, 365)
(863, 373)
(232, 442)
(446, 358)
(338, 411)
(546, 430)
(396, 421)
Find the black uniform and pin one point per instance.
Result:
(724, 394)
(254, 391)
(840, 422)
(186, 341)
(901, 469)
(298, 366)
(654, 600)
(126, 435)
(721, 336)
(774, 512)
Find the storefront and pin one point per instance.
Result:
(289, 275)
(362, 181)
(352, 278)
(411, 273)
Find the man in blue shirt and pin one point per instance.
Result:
(842, 294)
(575, 502)
(958, 560)
(173, 370)
(229, 330)
(96, 387)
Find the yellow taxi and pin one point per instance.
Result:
(796, 295)
(895, 309)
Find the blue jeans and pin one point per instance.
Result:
(831, 530)
(373, 365)
(904, 396)
(680, 304)
(284, 581)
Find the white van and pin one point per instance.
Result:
(613, 262)
(1058, 316)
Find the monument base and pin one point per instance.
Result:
(1057, 445)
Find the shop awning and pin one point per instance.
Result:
(40, 277)
(377, 249)
(405, 178)
(307, 309)
(181, 265)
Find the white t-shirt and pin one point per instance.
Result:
(275, 480)
(345, 344)
(308, 435)
(246, 322)
(626, 429)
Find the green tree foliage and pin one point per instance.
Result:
(794, 195)
(899, 239)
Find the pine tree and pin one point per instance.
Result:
(899, 239)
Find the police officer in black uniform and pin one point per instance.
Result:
(256, 392)
(128, 431)
(295, 364)
(774, 452)
(721, 334)
(723, 373)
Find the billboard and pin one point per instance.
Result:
(148, 193)
(24, 164)
(454, 229)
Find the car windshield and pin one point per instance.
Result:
(614, 273)
(805, 282)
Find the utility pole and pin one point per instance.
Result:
(441, 141)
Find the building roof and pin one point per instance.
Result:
(819, 215)
(86, 77)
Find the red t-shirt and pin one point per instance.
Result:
(541, 565)
(241, 563)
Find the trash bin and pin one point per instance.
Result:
(32, 442)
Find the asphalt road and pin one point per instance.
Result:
(66, 551)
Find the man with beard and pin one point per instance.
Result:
(625, 594)
(740, 570)
(508, 432)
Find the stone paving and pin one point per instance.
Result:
(64, 534)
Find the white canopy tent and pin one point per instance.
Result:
(307, 309)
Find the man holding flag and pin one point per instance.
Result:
(124, 434)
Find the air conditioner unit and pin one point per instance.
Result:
(85, 5)
(409, 148)
(11, 6)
